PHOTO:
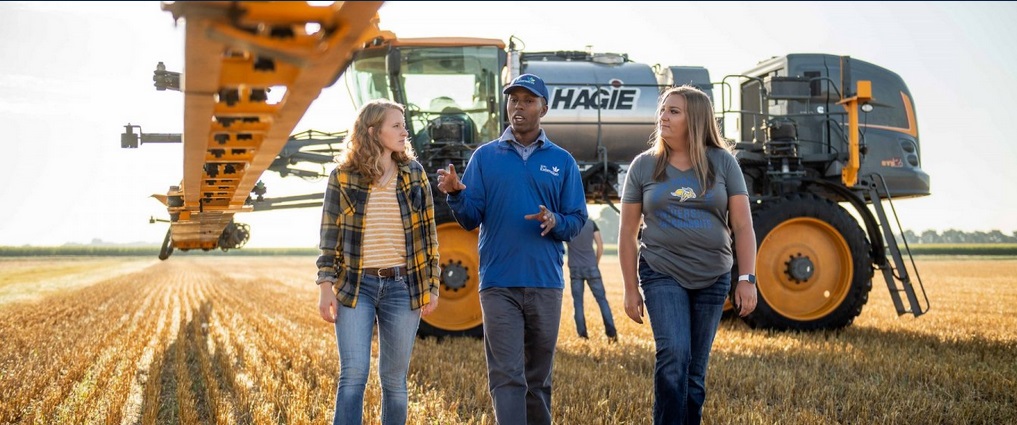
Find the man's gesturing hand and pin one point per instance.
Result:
(448, 180)
(546, 219)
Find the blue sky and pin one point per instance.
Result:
(73, 74)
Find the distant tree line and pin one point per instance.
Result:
(608, 220)
(957, 236)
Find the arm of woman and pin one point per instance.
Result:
(430, 229)
(745, 250)
(330, 261)
(328, 304)
(628, 230)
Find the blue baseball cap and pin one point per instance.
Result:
(529, 82)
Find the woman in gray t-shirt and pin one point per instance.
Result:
(690, 193)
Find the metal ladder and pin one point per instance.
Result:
(902, 275)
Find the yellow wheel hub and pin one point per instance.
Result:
(459, 301)
(804, 269)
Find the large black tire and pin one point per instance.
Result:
(458, 313)
(812, 265)
(167, 245)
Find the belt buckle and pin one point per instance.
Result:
(380, 270)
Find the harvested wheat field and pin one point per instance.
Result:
(226, 340)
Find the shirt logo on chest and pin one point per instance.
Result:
(685, 193)
(552, 171)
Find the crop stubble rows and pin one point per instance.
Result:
(237, 340)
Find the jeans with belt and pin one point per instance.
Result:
(385, 300)
(684, 322)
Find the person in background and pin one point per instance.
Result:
(584, 267)
(527, 196)
(379, 259)
(691, 194)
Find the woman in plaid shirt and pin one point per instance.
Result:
(379, 258)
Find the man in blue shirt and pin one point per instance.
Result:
(526, 194)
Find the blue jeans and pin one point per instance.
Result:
(520, 335)
(591, 275)
(684, 323)
(387, 302)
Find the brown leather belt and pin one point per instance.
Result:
(389, 272)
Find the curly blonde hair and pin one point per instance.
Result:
(704, 133)
(363, 149)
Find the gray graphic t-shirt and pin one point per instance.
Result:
(686, 235)
(582, 252)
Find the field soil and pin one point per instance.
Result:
(237, 340)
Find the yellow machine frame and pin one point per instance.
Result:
(235, 53)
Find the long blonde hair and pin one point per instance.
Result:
(363, 149)
(703, 134)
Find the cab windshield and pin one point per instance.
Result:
(451, 94)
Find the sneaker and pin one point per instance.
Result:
(584, 336)
(612, 339)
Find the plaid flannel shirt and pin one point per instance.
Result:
(342, 234)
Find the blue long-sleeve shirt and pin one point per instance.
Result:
(501, 189)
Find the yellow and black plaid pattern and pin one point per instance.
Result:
(342, 234)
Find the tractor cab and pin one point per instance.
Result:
(450, 87)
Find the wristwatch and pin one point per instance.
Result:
(751, 278)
